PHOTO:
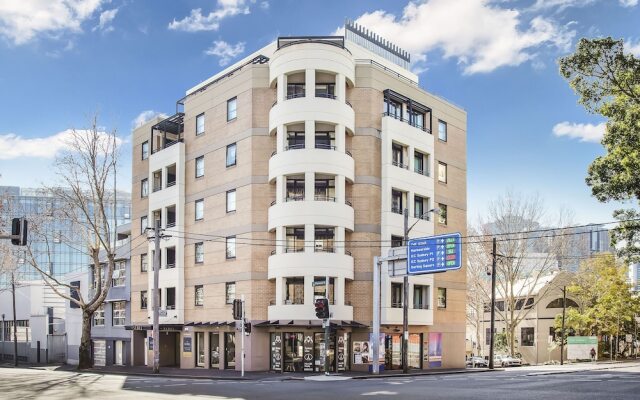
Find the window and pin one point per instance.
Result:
(595, 240)
(74, 292)
(557, 303)
(421, 207)
(144, 300)
(295, 90)
(199, 209)
(487, 335)
(325, 188)
(157, 180)
(231, 108)
(199, 252)
(295, 188)
(421, 163)
(200, 124)
(442, 297)
(231, 247)
(325, 140)
(294, 290)
(442, 172)
(98, 316)
(231, 155)
(199, 166)
(170, 258)
(327, 90)
(119, 274)
(230, 292)
(231, 200)
(442, 218)
(324, 239)
(527, 336)
(396, 201)
(145, 150)
(171, 298)
(171, 175)
(396, 241)
(295, 239)
(320, 290)
(442, 131)
(421, 297)
(118, 313)
(295, 140)
(199, 295)
(397, 153)
(144, 262)
(417, 119)
(143, 224)
(393, 108)
(520, 303)
(396, 295)
(144, 187)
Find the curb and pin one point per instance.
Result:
(470, 371)
(616, 366)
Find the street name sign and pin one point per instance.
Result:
(433, 254)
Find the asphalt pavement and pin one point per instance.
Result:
(618, 382)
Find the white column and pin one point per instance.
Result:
(339, 289)
(309, 238)
(279, 291)
(281, 138)
(340, 189)
(310, 83)
(341, 89)
(409, 205)
(280, 188)
(309, 186)
(339, 239)
(280, 243)
(309, 134)
(341, 139)
(282, 88)
(308, 290)
(410, 159)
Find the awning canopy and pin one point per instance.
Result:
(212, 324)
(311, 323)
(148, 327)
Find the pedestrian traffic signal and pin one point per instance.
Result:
(322, 308)
(247, 328)
(19, 229)
(237, 309)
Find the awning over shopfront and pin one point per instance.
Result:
(148, 327)
(310, 323)
(211, 324)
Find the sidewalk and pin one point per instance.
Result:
(577, 367)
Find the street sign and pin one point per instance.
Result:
(434, 254)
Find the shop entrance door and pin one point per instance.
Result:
(293, 351)
(214, 350)
(199, 349)
(229, 350)
(393, 351)
(118, 352)
(318, 350)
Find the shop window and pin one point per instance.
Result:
(229, 350)
(292, 349)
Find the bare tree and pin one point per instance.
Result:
(478, 288)
(87, 192)
(525, 259)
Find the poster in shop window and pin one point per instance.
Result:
(186, 345)
(435, 350)
(307, 355)
(341, 360)
(276, 352)
(357, 352)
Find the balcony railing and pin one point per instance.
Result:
(324, 197)
(422, 216)
(171, 224)
(157, 188)
(396, 304)
(421, 171)
(172, 183)
(399, 118)
(324, 250)
(293, 301)
(295, 96)
(396, 209)
(347, 202)
(294, 147)
(170, 265)
(326, 95)
(295, 197)
(400, 164)
(325, 146)
(293, 249)
(421, 306)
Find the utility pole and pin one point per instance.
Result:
(242, 339)
(405, 302)
(327, 328)
(376, 316)
(564, 308)
(156, 298)
(493, 304)
(15, 320)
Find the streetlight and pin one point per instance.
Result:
(3, 335)
(405, 286)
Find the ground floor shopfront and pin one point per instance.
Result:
(286, 346)
(110, 351)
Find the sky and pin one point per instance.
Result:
(62, 61)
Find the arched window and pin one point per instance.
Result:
(557, 303)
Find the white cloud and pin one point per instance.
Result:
(632, 48)
(225, 51)
(584, 132)
(478, 33)
(560, 4)
(629, 3)
(24, 20)
(106, 17)
(145, 117)
(13, 146)
(196, 21)
(264, 5)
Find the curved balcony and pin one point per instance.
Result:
(326, 161)
(312, 108)
(317, 55)
(310, 263)
(312, 212)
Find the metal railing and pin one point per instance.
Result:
(294, 147)
(396, 304)
(409, 122)
(294, 96)
(294, 249)
(326, 95)
(171, 224)
(347, 152)
(324, 250)
(172, 183)
(321, 197)
(421, 306)
(399, 164)
(421, 171)
(325, 146)
(396, 210)
(347, 202)
(423, 216)
(349, 104)
(297, 197)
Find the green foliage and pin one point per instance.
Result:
(607, 305)
(607, 81)
(501, 343)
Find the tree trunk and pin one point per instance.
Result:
(512, 341)
(84, 353)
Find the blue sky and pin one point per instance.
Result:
(63, 60)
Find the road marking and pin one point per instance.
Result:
(176, 384)
(380, 393)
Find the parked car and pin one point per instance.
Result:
(476, 362)
(507, 361)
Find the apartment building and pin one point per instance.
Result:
(278, 180)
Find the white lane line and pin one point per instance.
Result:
(176, 384)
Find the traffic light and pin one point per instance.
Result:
(19, 228)
(237, 309)
(247, 328)
(322, 308)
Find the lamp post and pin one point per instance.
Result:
(3, 336)
(405, 287)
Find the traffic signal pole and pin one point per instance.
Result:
(242, 340)
(493, 304)
(327, 328)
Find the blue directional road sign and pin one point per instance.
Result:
(434, 254)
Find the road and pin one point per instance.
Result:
(619, 383)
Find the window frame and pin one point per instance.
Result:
(195, 210)
(198, 301)
(442, 123)
(144, 299)
(145, 225)
(396, 286)
(144, 188)
(120, 315)
(233, 146)
(99, 315)
(121, 280)
(229, 192)
(442, 215)
(144, 262)
(531, 334)
(198, 132)
(227, 298)
(230, 240)
(199, 159)
(167, 306)
(442, 295)
(443, 167)
(144, 150)
(196, 246)
(234, 101)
